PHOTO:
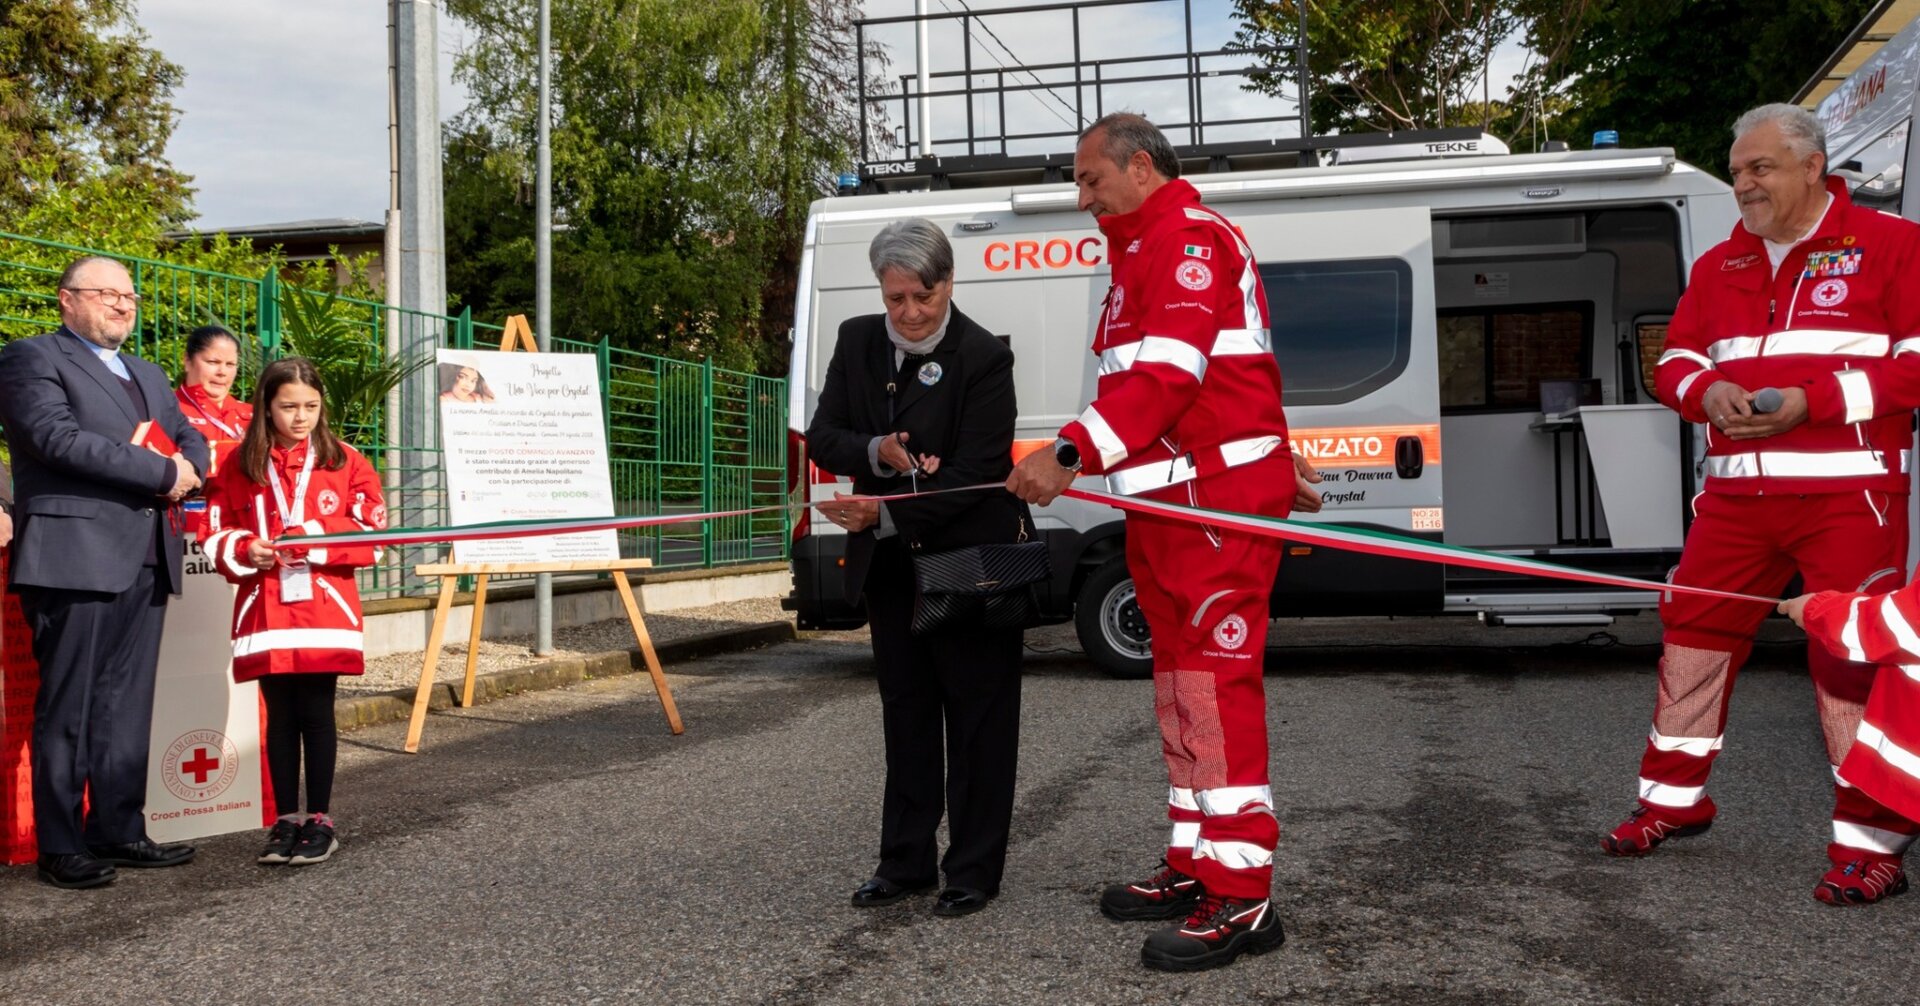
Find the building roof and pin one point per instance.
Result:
(327, 228)
(1881, 24)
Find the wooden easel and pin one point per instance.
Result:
(449, 573)
(519, 335)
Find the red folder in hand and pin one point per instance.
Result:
(150, 435)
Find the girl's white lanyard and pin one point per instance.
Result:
(232, 434)
(296, 579)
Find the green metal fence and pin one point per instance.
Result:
(683, 436)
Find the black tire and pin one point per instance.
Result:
(1111, 627)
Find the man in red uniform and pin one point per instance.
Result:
(1796, 342)
(1187, 410)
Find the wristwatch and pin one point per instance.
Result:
(1066, 454)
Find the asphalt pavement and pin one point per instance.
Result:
(1442, 789)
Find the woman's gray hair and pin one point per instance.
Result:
(915, 245)
(1125, 134)
(1801, 129)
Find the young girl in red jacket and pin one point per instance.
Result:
(296, 621)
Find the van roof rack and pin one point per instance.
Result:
(958, 134)
(986, 170)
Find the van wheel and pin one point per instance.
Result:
(1111, 627)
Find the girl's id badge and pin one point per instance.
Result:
(296, 583)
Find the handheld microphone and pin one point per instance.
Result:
(1768, 400)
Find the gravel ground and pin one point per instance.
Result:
(402, 670)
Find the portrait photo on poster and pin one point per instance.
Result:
(461, 383)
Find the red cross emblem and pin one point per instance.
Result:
(1194, 275)
(200, 766)
(1231, 633)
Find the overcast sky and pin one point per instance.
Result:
(284, 109)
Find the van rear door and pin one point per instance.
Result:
(1351, 304)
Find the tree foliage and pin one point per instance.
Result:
(1661, 72)
(1409, 64)
(1677, 75)
(83, 99)
(687, 141)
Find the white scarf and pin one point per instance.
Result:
(901, 346)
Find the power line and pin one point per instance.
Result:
(1017, 68)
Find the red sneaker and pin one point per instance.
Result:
(1168, 894)
(1862, 881)
(1651, 824)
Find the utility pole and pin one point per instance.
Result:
(543, 288)
(421, 248)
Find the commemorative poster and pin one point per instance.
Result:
(524, 438)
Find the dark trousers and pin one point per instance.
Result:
(98, 655)
(967, 682)
(300, 712)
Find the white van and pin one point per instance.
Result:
(1421, 309)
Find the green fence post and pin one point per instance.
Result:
(269, 315)
(463, 328)
(706, 460)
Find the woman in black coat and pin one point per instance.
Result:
(922, 386)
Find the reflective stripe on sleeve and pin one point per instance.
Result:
(1801, 465)
(1856, 390)
(1670, 796)
(1164, 349)
(1242, 342)
(1906, 346)
(1698, 747)
(1850, 632)
(1687, 382)
(1896, 624)
(1683, 354)
(1185, 835)
(1181, 798)
(1112, 449)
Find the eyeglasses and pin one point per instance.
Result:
(108, 298)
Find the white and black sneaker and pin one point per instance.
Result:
(1218, 931)
(317, 842)
(280, 842)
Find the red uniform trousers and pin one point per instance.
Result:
(1204, 594)
(1849, 541)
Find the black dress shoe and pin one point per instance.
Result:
(960, 901)
(144, 853)
(75, 870)
(881, 891)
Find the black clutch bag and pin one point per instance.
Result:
(979, 586)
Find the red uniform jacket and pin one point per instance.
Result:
(224, 424)
(319, 635)
(1840, 319)
(1188, 384)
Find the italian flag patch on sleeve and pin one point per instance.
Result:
(1198, 251)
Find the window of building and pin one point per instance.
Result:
(1340, 329)
(1494, 361)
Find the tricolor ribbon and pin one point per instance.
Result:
(1328, 535)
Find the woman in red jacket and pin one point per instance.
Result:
(296, 623)
(207, 373)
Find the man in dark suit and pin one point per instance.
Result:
(94, 560)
